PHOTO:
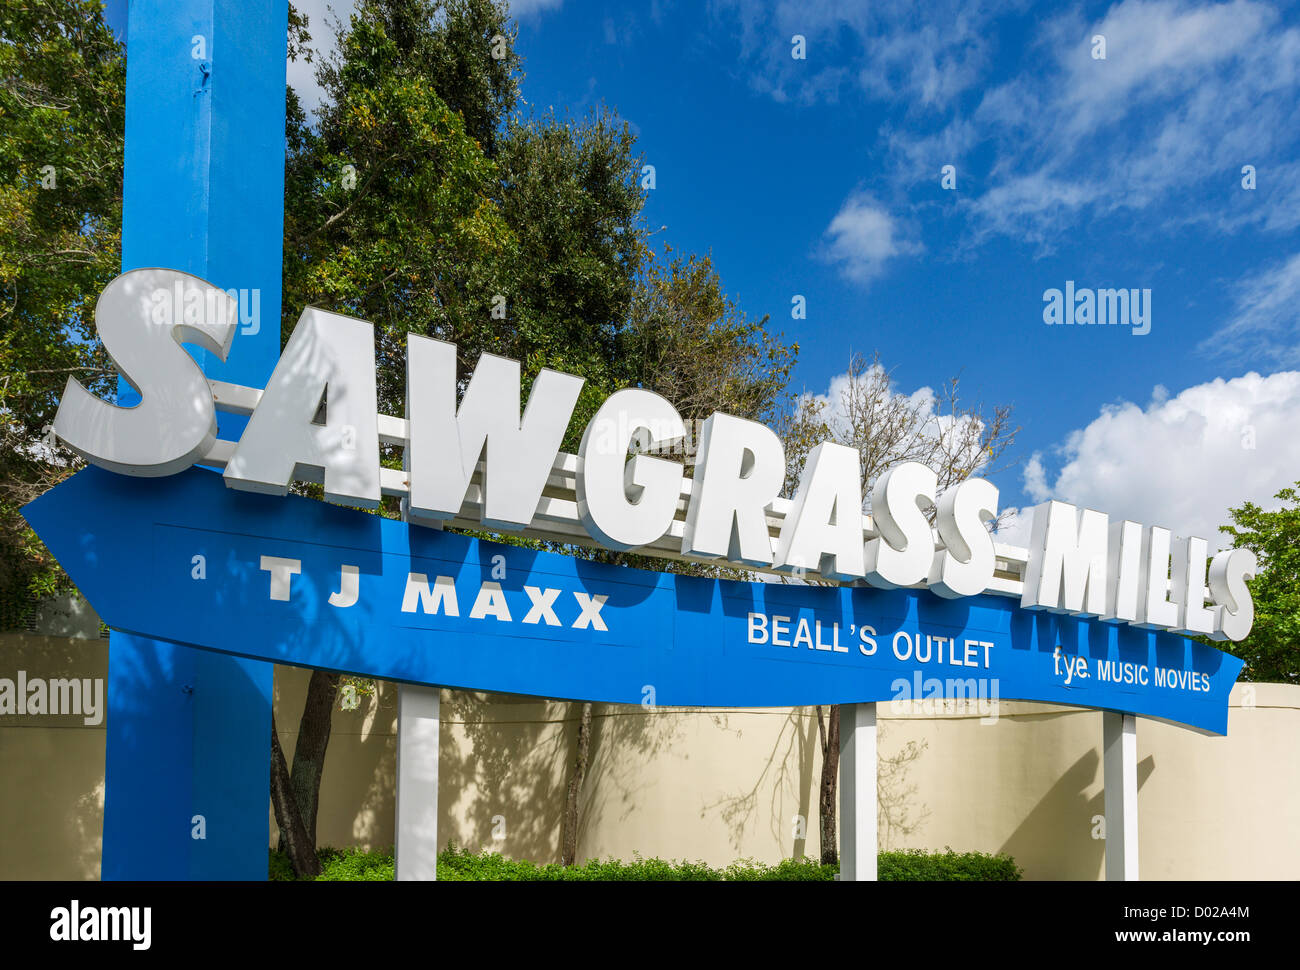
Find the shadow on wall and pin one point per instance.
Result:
(501, 775)
(900, 813)
(1063, 837)
(374, 811)
(792, 765)
(503, 768)
(506, 763)
(357, 795)
(629, 744)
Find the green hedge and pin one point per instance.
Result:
(915, 865)
(461, 865)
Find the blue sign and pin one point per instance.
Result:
(301, 582)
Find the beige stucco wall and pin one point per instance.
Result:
(51, 768)
(1030, 784)
(720, 785)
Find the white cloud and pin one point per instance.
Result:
(1208, 86)
(1031, 205)
(1035, 476)
(933, 63)
(528, 8)
(1273, 205)
(1181, 462)
(300, 75)
(1266, 319)
(1155, 48)
(862, 237)
(1013, 527)
(926, 58)
(1188, 92)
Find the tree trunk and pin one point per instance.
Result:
(293, 834)
(829, 735)
(569, 847)
(309, 753)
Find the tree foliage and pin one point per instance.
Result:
(569, 193)
(62, 95)
(690, 342)
(865, 412)
(390, 209)
(417, 201)
(1272, 651)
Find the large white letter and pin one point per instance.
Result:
(625, 504)
(903, 551)
(1189, 587)
(329, 359)
(1125, 556)
(964, 567)
(1066, 572)
(823, 529)
(1155, 609)
(140, 318)
(738, 475)
(446, 443)
(1235, 612)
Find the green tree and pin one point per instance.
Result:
(413, 201)
(522, 238)
(570, 194)
(1272, 650)
(62, 96)
(391, 215)
(390, 208)
(687, 340)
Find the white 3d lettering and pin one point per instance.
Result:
(497, 459)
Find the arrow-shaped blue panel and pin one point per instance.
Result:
(188, 560)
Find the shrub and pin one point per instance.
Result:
(462, 865)
(915, 865)
(280, 869)
(354, 865)
(787, 870)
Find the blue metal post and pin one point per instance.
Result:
(189, 730)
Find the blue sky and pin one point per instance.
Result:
(820, 177)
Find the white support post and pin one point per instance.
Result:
(416, 851)
(1119, 775)
(858, 842)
